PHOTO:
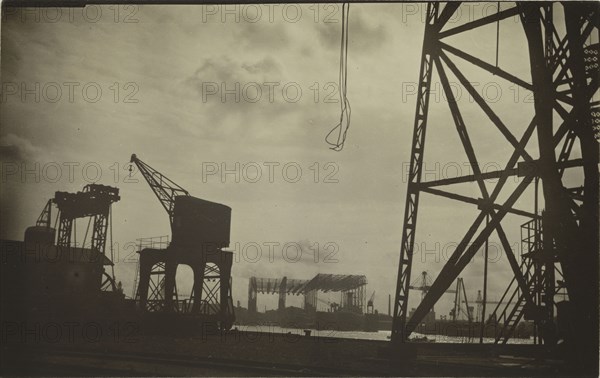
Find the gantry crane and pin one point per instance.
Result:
(95, 202)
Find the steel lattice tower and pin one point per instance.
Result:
(563, 67)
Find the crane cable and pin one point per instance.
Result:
(345, 109)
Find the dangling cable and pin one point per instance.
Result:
(345, 109)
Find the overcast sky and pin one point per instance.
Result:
(162, 71)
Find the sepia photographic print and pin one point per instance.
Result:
(299, 189)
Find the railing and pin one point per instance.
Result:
(531, 243)
(158, 242)
(531, 236)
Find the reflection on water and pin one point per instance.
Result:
(384, 336)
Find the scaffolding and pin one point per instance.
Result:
(352, 290)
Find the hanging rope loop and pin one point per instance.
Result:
(345, 109)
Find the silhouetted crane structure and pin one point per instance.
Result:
(479, 301)
(371, 303)
(350, 286)
(200, 229)
(563, 66)
(460, 297)
(423, 284)
(93, 202)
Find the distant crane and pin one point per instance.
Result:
(479, 302)
(370, 308)
(423, 283)
(460, 297)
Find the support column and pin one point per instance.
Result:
(170, 272)
(252, 295)
(282, 293)
(198, 283)
(144, 282)
(561, 237)
(225, 301)
(399, 333)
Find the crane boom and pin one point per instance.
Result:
(165, 189)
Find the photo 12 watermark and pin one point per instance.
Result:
(490, 92)
(268, 92)
(54, 172)
(91, 13)
(69, 92)
(271, 13)
(270, 172)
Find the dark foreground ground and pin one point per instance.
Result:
(265, 354)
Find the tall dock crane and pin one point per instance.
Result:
(200, 229)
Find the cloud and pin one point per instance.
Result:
(364, 34)
(329, 34)
(272, 37)
(10, 62)
(16, 148)
(10, 153)
(266, 65)
(220, 69)
(226, 69)
(239, 97)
